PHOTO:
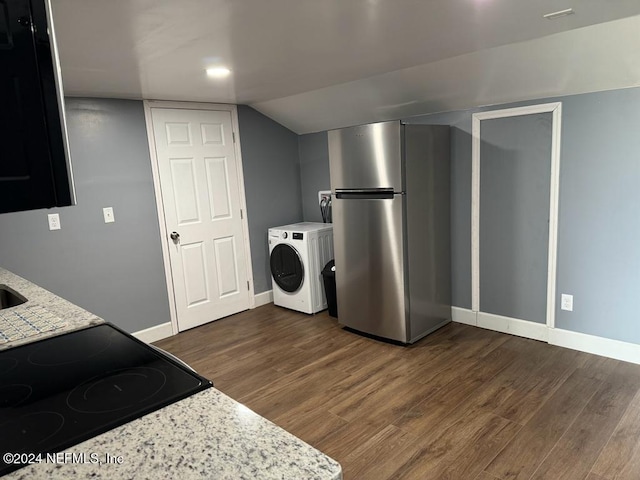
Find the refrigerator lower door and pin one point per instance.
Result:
(369, 253)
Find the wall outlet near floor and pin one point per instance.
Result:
(566, 302)
(54, 221)
(108, 215)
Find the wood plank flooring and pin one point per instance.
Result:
(463, 403)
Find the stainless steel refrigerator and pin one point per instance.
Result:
(390, 184)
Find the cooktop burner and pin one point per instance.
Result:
(13, 395)
(60, 391)
(32, 429)
(116, 390)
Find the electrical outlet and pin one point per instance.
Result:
(566, 302)
(324, 194)
(54, 221)
(108, 215)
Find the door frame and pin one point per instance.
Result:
(515, 326)
(164, 232)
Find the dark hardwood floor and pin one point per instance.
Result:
(463, 403)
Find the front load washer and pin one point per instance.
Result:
(297, 255)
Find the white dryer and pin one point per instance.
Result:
(297, 255)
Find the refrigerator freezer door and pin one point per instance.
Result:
(369, 252)
(367, 156)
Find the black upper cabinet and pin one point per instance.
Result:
(34, 167)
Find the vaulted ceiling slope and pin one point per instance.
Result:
(314, 65)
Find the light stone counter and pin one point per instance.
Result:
(74, 316)
(205, 436)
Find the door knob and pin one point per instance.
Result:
(175, 236)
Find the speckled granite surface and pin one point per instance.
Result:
(205, 436)
(74, 316)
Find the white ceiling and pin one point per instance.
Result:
(320, 64)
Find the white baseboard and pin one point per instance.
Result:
(627, 352)
(153, 334)
(464, 315)
(263, 298)
(164, 330)
(513, 326)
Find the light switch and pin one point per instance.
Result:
(108, 215)
(54, 221)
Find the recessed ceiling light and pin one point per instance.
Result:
(560, 13)
(218, 72)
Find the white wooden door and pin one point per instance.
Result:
(201, 201)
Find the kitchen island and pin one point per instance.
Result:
(205, 436)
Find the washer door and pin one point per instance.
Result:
(286, 267)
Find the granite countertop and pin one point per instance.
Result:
(74, 316)
(205, 436)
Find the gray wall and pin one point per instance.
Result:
(515, 169)
(113, 270)
(460, 202)
(599, 225)
(272, 184)
(314, 172)
(599, 230)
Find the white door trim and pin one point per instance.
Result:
(164, 234)
(556, 110)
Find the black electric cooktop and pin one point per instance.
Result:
(60, 391)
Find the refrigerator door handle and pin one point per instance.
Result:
(364, 194)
